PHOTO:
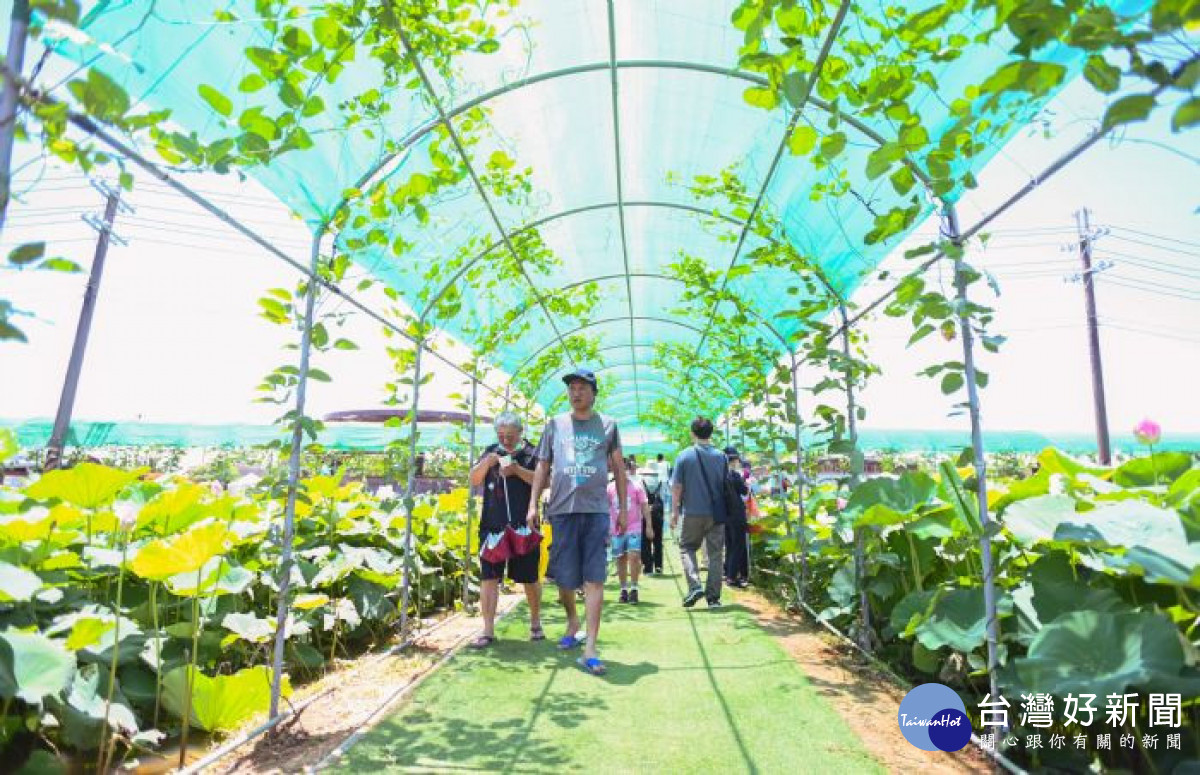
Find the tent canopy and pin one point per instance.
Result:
(608, 114)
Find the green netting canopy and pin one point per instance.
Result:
(615, 109)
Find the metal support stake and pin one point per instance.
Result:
(471, 498)
(14, 60)
(409, 499)
(860, 561)
(801, 533)
(66, 402)
(985, 540)
(289, 512)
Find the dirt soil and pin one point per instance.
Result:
(864, 696)
(358, 688)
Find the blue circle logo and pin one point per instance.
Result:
(933, 718)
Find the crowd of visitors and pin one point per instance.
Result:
(601, 508)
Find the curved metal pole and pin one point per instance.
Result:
(860, 562)
(293, 482)
(18, 28)
(409, 499)
(801, 581)
(985, 540)
(416, 135)
(467, 556)
(827, 44)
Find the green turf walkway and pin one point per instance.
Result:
(686, 691)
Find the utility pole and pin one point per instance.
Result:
(1086, 236)
(66, 403)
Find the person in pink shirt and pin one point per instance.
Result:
(627, 544)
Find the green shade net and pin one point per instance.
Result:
(548, 104)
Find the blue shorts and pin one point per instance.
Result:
(577, 553)
(626, 544)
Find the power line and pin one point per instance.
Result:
(1156, 236)
(1152, 245)
(1149, 263)
(1150, 332)
(1131, 286)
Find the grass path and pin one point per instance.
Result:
(686, 691)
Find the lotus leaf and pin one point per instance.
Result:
(87, 485)
(223, 702)
(159, 560)
(33, 667)
(249, 627)
(234, 580)
(17, 583)
(1101, 653)
(1142, 471)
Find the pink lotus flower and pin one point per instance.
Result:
(1148, 432)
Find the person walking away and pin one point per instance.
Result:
(574, 456)
(505, 473)
(696, 490)
(737, 558)
(664, 481)
(652, 537)
(627, 544)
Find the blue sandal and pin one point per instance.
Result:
(568, 642)
(593, 665)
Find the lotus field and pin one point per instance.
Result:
(151, 603)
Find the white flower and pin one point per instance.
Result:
(385, 492)
(127, 514)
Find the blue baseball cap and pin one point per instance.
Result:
(584, 375)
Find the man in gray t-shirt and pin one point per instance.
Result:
(576, 452)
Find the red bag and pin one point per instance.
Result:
(523, 540)
(497, 547)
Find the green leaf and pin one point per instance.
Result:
(1102, 75)
(87, 485)
(1102, 653)
(27, 253)
(8, 444)
(224, 702)
(1186, 115)
(159, 560)
(252, 83)
(1135, 107)
(17, 583)
(1142, 471)
(957, 621)
(489, 46)
(952, 381)
(57, 264)
(344, 344)
(33, 667)
(802, 140)
(249, 627)
(761, 97)
(218, 101)
(832, 145)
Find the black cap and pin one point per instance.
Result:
(585, 375)
(732, 452)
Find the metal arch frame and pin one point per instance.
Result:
(445, 121)
(766, 323)
(620, 176)
(419, 133)
(538, 352)
(810, 82)
(648, 346)
(535, 224)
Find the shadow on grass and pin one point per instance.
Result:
(432, 739)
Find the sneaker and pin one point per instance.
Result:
(633, 596)
(624, 596)
(693, 597)
(714, 603)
